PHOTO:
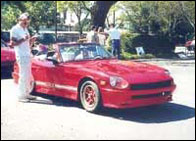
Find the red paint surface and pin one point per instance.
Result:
(7, 57)
(72, 73)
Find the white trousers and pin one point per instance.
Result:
(24, 64)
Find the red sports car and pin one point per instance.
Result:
(7, 57)
(91, 75)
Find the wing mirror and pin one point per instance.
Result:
(54, 61)
(34, 52)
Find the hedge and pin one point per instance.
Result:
(154, 45)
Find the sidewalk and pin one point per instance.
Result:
(172, 62)
(190, 60)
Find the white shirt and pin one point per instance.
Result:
(102, 39)
(91, 37)
(114, 34)
(22, 49)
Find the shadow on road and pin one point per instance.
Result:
(168, 112)
(154, 114)
(58, 101)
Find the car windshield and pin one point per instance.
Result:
(83, 52)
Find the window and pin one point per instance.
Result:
(83, 52)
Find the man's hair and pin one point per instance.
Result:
(24, 15)
(100, 29)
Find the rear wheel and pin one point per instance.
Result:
(90, 96)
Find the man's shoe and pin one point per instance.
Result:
(29, 97)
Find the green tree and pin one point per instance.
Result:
(159, 17)
(42, 13)
(188, 11)
(77, 8)
(98, 10)
(9, 15)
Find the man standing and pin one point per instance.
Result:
(22, 42)
(102, 38)
(92, 36)
(115, 38)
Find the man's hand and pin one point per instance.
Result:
(11, 44)
(33, 39)
(104, 33)
(26, 37)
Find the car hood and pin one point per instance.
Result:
(133, 72)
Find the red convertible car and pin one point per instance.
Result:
(89, 74)
(7, 57)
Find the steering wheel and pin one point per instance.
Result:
(98, 57)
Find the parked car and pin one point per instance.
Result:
(7, 57)
(46, 38)
(91, 75)
(5, 36)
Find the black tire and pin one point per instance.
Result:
(86, 93)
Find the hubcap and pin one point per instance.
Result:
(89, 95)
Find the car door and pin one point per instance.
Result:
(43, 76)
(66, 77)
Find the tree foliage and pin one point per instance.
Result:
(96, 10)
(9, 15)
(77, 7)
(171, 18)
(42, 13)
(99, 12)
(159, 17)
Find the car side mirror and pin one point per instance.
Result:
(34, 52)
(54, 61)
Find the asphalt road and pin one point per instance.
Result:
(65, 119)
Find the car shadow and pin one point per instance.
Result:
(54, 100)
(168, 112)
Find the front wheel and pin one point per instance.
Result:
(90, 96)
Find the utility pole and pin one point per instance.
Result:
(56, 20)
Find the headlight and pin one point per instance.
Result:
(118, 82)
(167, 72)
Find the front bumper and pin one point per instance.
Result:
(114, 98)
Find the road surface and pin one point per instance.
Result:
(65, 119)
